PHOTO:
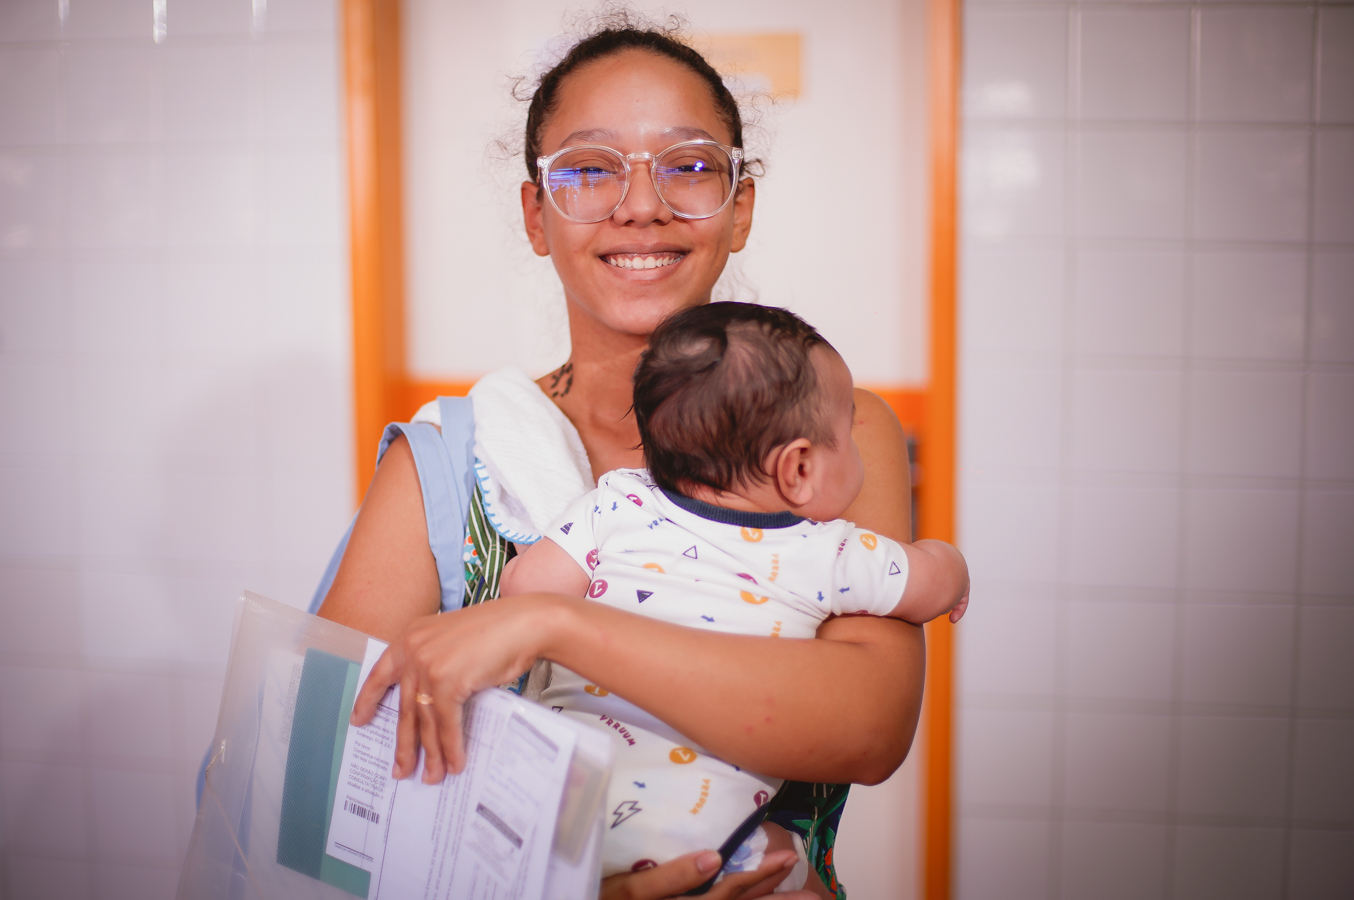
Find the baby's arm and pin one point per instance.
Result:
(937, 583)
(544, 566)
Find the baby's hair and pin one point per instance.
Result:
(720, 387)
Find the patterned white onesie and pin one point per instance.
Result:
(691, 563)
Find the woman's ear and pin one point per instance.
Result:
(743, 202)
(794, 464)
(533, 219)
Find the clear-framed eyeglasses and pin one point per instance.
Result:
(588, 183)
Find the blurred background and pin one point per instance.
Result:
(1155, 684)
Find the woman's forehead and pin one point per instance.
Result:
(633, 96)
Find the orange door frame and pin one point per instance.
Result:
(383, 391)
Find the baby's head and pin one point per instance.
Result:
(734, 396)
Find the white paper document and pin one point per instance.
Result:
(484, 834)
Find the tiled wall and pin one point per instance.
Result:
(174, 401)
(1157, 495)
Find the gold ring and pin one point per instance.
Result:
(425, 699)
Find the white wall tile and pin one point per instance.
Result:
(1237, 863)
(1131, 184)
(1249, 305)
(1005, 757)
(115, 308)
(33, 313)
(1015, 64)
(1330, 426)
(125, 882)
(29, 20)
(38, 400)
(1113, 861)
(1120, 651)
(42, 712)
(1135, 64)
(35, 876)
(1328, 532)
(44, 807)
(294, 75)
(1012, 183)
(208, 200)
(114, 93)
(127, 616)
(194, 17)
(199, 703)
(1336, 101)
(1011, 417)
(1251, 185)
(1130, 302)
(305, 320)
(134, 816)
(1002, 859)
(1223, 530)
(43, 609)
(207, 88)
(42, 503)
(109, 19)
(1255, 64)
(212, 312)
(1321, 867)
(132, 717)
(1238, 654)
(1126, 537)
(1334, 220)
(1245, 423)
(301, 200)
(217, 412)
(114, 201)
(1117, 762)
(31, 190)
(30, 96)
(1325, 665)
(1333, 307)
(290, 16)
(1324, 787)
(1126, 421)
(1013, 301)
(1009, 649)
(124, 404)
(1010, 533)
(1233, 766)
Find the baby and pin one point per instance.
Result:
(745, 415)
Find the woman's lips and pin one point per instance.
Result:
(642, 260)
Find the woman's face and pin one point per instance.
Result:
(635, 101)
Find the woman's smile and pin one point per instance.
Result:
(644, 261)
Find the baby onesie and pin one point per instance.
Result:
(690, 563)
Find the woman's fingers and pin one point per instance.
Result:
(686, 872)
(450, 737)
(406, 732)
(433, 766)
(386, 672)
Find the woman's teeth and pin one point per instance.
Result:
(639, 261)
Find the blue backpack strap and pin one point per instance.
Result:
(446, 475)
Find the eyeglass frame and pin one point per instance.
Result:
(543, 166)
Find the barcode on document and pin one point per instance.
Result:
(365, 812)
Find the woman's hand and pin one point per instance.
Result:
(439, 662)
(674, 878)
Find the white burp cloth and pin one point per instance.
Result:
(666, 800)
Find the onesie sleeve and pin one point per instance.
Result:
(869, 574)
(574, 530)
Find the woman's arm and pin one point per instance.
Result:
(388, 576)
(842, 708)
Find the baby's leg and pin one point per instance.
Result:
(769, 838)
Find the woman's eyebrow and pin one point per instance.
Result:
(686, 132)
(589, 136)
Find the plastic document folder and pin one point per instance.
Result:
(299, 805)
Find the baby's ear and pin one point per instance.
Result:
(793, 470)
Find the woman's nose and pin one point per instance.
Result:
(642, 205)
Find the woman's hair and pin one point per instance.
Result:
(720, 387)
(623, 31)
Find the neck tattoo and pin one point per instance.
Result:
(564, 373)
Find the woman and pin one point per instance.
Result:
(839, 709)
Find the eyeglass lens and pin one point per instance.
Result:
(693, 179)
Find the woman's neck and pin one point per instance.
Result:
(594, 390)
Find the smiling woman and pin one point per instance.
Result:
(649, 113)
